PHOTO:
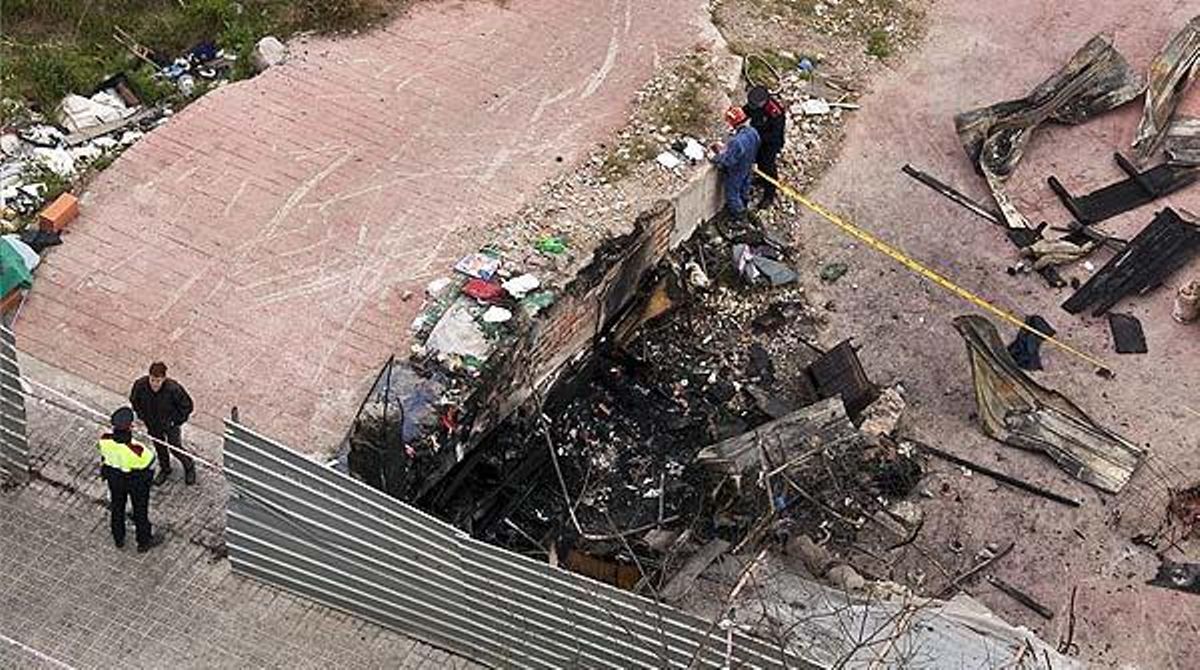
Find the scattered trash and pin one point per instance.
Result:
(1151, 256)
(846, 578)
(77, 113)
(435, 288)
(520, 285)
(1183, 577)
(782, 442)
(536, 302)
(456, 333)
(267, 53)
(1127, 333)
(805, 65)
(1018, 411)
(1026, 349)
(832, 272)
(26, 252)
(485, 291)
(668, 160)
(551, 245)
(882, 416)
(496, 314)
(478, 265)
(1187, 302)
(684, 578)
(694, 150)
(1171, 73)
(815, 107)
(696, 275)
(754, 263)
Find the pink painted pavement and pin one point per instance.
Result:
(261, 241)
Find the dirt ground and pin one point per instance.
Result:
(977, 54)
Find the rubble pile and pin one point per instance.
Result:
(45, 154)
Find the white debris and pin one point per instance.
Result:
(268, 52)
(78, 113)
(10, 144)
(495, 314)
(669, 160)
(517, 287)
(815, 107)
(58, 161)
(458, 334)
(694, 150)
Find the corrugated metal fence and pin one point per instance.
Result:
(14, 443)
(324, 535)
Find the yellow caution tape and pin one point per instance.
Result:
(902, 258)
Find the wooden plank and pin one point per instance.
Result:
(681, 582)
(807, 429)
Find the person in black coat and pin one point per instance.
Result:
(164, 405)
(769, 118)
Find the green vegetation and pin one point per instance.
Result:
(685, 110)
(51, 48)
(879, 44)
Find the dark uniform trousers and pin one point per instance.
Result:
(133, 487)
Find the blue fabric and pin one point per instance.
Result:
(737, 162)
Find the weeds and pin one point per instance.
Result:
(54, 47)
(879, 44)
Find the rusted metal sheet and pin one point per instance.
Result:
(1171, 74)
(1182, 142)
(1096, 79)
(1018, 411)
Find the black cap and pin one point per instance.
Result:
(122, 418)
(758, 96)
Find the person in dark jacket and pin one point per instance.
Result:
(767, 116)
(163, 405)
(736, 161)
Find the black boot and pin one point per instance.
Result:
(189, 474)
(161, 477)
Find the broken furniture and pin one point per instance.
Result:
(1139, 189)
(1158, 250)
(1096, 79)
(1018, 411)
(839, 373)
(1171, 72)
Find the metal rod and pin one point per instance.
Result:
(997, 475)
(1020, 596)
(953, 194)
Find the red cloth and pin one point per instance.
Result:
(483, 290)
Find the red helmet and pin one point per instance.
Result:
(735, 116)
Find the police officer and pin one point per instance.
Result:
(128, 467)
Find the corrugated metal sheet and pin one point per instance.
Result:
(14, 444)
(317, 532)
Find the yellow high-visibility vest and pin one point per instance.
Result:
(121, 457)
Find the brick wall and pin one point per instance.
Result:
(564, 333)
